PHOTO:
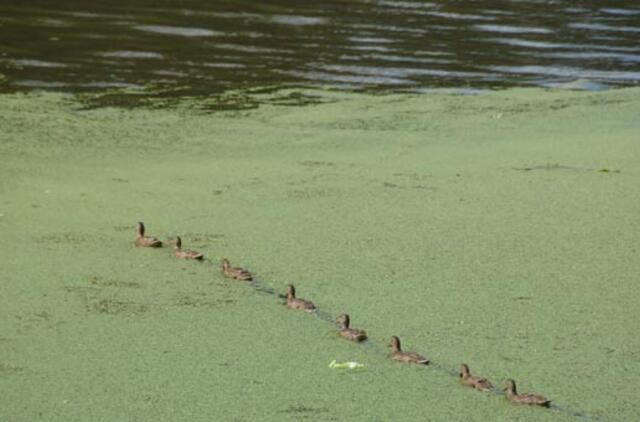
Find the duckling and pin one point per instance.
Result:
(235, 272)
(407, 357)
(352, 334)
(469, 380)
(178, 252)
(532, 399)
(148, 241)
(294, 303)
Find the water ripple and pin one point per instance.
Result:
(572, 72)
(385, 45)
(406, 4)
(459, 16)
(354, 79)
(602, 27)
(557, 46)
(625, 12)
(36, 63)
(297, 20)
(128, 54)
(507, 29)
(178, 30)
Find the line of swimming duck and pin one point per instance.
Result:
(343, 321)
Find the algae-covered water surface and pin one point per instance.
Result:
(500, 230)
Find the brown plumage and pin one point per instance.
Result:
(531, 399)
(352, 334)
(178, 252)
(146, 241)
(469, 380)
(294, 303)
(407, 357)
(235, 272)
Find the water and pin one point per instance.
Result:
(263, 287)
(200, 47)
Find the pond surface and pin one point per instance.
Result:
(200, 47)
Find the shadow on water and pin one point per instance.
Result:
(260, 286)
(169, 48)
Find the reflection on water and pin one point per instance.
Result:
(507, 29)
(175, 30)
(200, 47)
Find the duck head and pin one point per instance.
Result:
(510, 387)
(343, 320)
(395, 344)
(140, 229)
(225, 264)
(177, 243)
(464, 370)
(291, 292)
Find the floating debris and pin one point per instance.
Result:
(345, 365)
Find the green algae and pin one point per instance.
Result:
(410, 212)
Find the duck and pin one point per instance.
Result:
(469, 380)
(146, 241)
(352, 334)
(294, 303)
(531, 399)
(235, 272)
(407, 357)
(178, 252)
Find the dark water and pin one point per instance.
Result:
(194, 47)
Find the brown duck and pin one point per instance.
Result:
(352, 334)
(532, 399)
(235, 272)
(407, 357)
(178, 252)
(148, 241)
(469, 380)
(294, 303)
